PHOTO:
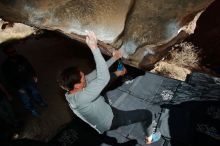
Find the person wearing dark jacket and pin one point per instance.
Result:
(8, 121)
(22, 78)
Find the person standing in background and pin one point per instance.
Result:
(22, 78)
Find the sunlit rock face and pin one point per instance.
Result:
(105, 17)
(16, 30)
(144, 29)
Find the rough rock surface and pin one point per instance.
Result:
(16, 30)
(144, 29)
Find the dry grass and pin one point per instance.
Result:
(184, 55)
(182, 59)
(171, 70)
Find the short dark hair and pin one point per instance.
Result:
(69, 77)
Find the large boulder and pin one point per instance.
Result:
(143, 29)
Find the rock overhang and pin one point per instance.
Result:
(143, 29)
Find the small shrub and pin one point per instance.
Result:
(184, 55)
